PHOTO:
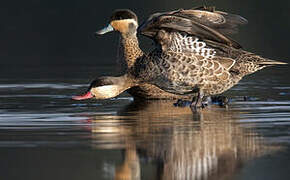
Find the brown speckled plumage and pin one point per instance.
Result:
(193, 55)
(184, 72)
(131, 50)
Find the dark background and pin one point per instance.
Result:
(39, 36)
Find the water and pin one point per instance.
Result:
(46, 135)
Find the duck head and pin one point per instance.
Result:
(106, 87)
(124, 21)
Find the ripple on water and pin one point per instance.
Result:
(41, 108)
(44, 85)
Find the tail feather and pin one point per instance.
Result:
(271, 62)
(250, 63)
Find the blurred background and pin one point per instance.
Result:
(41, 39)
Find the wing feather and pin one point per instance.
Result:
(203, 23)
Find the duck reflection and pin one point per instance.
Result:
(130, 168)
(209, 144)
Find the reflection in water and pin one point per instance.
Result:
(130, 168)
(209, 144)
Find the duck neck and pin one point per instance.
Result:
(130, 48)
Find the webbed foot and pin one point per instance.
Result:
(220, 100)
(201, 103)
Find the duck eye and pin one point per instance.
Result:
(131, 25)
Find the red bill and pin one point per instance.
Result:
(88, 95)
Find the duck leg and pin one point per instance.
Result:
(197, 101)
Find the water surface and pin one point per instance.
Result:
(46, 135)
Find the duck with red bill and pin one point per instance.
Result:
(106, 87)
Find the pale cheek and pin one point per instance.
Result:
(121, 27)
(105, 92)
(109, 91)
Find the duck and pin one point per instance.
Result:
(130, 52)
(193, 54)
